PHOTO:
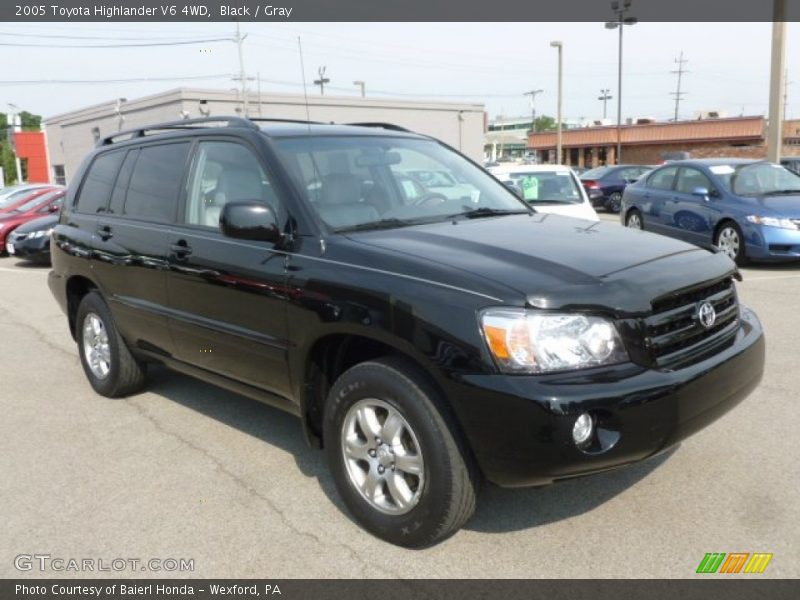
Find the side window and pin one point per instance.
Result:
(96, 189)
(121, 186)
(156, 181)
(688, 179)
(662, 179)
(225, 172)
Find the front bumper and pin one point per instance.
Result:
(520, 427)
(30, 248)
(771, 243)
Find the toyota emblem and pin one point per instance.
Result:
(707, 315)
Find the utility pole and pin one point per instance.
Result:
(605, 97)
(363, 87)
(239, 39)
(321, 81)
(786, 84)
(776, 86)
(532, 96)
(678, 93)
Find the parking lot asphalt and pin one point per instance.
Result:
(187, 470)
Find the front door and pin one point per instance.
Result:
(227, 297)
(693, 216)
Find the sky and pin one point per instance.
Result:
(489, 63)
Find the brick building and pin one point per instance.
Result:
(649, 143)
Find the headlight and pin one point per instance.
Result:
(773, 222)
(530, 342)
(41, 233)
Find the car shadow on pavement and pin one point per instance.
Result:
(266, 423)
(34, 266)
(499, 510)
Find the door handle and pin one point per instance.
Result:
(180, 249)
(104, 232)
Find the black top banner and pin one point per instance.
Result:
(399, 10)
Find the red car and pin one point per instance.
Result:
(33, 208)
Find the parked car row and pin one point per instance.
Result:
(24, 206)
(748, 209)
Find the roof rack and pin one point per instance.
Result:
(300, 121)
(390, 126)
(177, 125)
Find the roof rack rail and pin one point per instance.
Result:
(271, 120)
(176, 125)
(390, 126)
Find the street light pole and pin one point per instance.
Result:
(560, 47)
(14, 124)
(620, 23)
(363, 87)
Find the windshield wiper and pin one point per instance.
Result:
(380, 224)
(781, 192)
(485, 211)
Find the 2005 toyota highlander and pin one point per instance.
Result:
(426, 342)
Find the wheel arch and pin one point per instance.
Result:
(77, 287)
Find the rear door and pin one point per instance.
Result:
(228, 297)
(131, 238)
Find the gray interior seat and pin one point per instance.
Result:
(339, 203)
(234, 184)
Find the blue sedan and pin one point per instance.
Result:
(749, 209)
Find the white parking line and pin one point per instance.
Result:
(22, 270)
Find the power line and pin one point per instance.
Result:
(96, 81)
(149, 44)
(678, 93)
(97, 37)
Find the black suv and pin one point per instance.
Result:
(426, 341)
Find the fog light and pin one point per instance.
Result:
(582, 430)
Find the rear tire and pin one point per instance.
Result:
(730, 240)
(614, 202)
(108, 363)
(419, 485)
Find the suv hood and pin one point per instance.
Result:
(553, 261)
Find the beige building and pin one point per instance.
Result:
(651, 143)
(70, 136)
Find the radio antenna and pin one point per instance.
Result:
(303, 74)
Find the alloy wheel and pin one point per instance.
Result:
(96, 348)
(728, 241)
(382, 456)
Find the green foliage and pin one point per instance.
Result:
(30, 122)
(545, 123)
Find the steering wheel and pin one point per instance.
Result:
(430, 199)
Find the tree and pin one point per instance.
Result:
(545, 123)
(29, 122)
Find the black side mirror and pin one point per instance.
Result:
(249, 220)
(514, 188)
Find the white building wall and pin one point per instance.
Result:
(70, 135)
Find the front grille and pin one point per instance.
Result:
(674, 333)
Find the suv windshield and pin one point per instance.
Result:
(547, 187)
(757, 179)
(364, 182)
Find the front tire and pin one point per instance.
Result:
(614, 202)
(634, 220)
(396, 457)
(730, 240)
(108, 363)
